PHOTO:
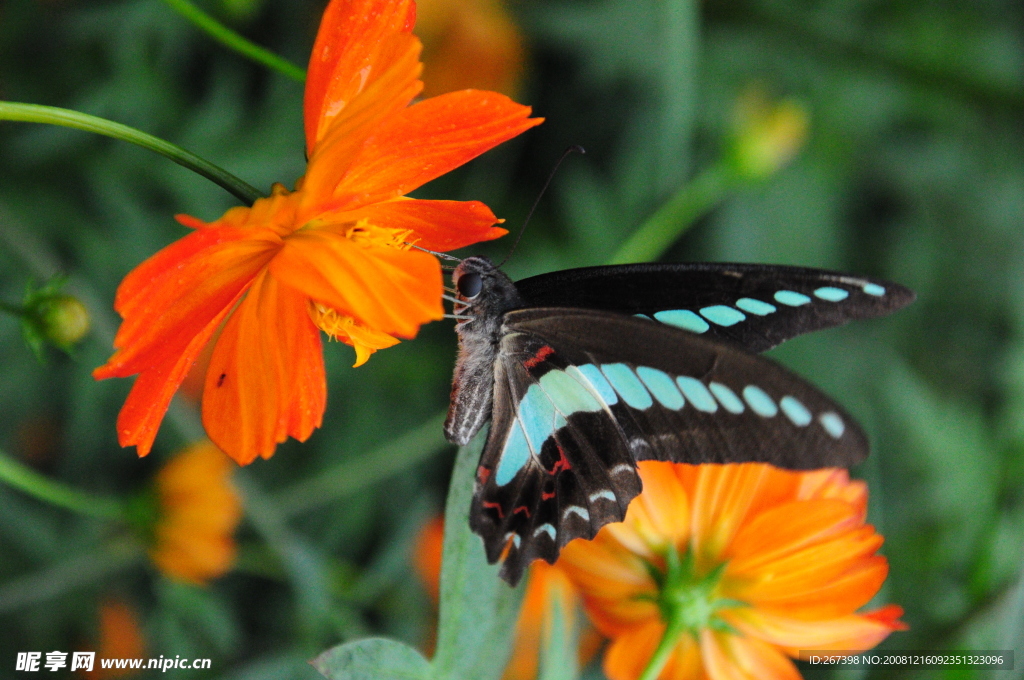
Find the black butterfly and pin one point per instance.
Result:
(585, 372)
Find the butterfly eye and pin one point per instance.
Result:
(469, 285)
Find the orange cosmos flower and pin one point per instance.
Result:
(546, 585)
(749, 563)
(119, 638)
(469, 43)
(333, 255)
(198, 513)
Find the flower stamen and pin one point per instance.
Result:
(366, 234)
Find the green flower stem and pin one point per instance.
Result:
(34, 113)
(58, 579)
(234, 41)
(45, 489)
(678, 214)
(664, 651)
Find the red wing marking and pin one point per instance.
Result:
(542, 354)
(483, 474)
(488, 504)
(522, 508)
(547, 496)
(561, 464)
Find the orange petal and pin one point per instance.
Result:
(721, 501)
(469, 45)
(426, 556)
(730, 657)
(804, 573)
(120, 636)
(429, 139)
(276, 212)
(547, 585)
(628, 654)
(199, 510)
(140, 417)
(171, 297)
(787, 528)
(340, 142)
(686, 662)
(266, 378)
(659, 516)
(834, 483)
(613, 581)
(386, 289)
(358, 42)
(851, 632)
(824, 595)
(437, 225)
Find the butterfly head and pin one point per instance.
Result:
(483, 290)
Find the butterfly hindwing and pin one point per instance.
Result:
(543, 479)
(581, 395)
(754, 306)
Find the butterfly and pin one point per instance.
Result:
(585, 372)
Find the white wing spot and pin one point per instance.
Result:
(603, 493)
(545, 529)
(582, 512)
(620, 468)
(515, 538)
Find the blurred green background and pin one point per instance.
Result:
(913, 170)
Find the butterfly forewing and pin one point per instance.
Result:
(581, 395)
(754, 306)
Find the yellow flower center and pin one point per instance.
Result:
(366, 234)
(345, 328)
(329, 320)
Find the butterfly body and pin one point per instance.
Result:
(585, 372)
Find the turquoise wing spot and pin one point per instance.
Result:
(592, 374)
(759, 401)
(831, 294)
(537, 415)
(683, 318)
(513, 456)
(627, 385)
(755, 306)
(873, 289)
(661, 386)
(795, 411)
(567, 395)
(698, 395)
(791, 298)
(722, 315)
(727, 398)
(832, 423)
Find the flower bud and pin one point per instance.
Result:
(51, 316)
(64, 320)
(767, 135)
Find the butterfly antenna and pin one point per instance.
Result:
(572, 149)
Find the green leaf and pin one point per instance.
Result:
(372, 659)
(478, 610)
